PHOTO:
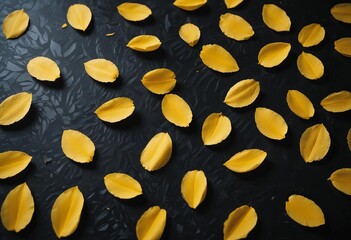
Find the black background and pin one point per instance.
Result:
(70, 102)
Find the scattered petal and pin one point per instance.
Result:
(343, 46)
(311, 35)
(215, 129)
(194, 188)
(109, 34)
(18, 208)
(43, 69)
(15, 24)
(273, 54)
(157, 152)
(242, 93)
(270, 123)
(189, 5)
(77, 146)
(63, 26)
(310, 66)
(240, 223)
(66, 212)
(115, 110)
(314, 143)
(134, 11)
(275, 18)
(144, 43)
(232, 3)
(218, 59)
(176, 110)
(341, 180)
(122, 185)
(235, 27)
(151, 224)
(12, 163)
(15, 107)
(246, 160)
(101, 70)
(159, 81)
(337, 102)
(304, 211)
(79, 16)
(300, 104)
(190, 33)
(342, 12)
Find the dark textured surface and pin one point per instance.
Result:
(71, 101)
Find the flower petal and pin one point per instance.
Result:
(144, 43)
(275, 18)
(159, 81)
(246, 160)
(218, 59)
(270, 123)
(235, 27)
(151, 224)
(66, 212)
(242, 93)
(341, 180)
(310, 66)
(43, 69)
(311, 35)
(189, 5)
(134, 11)
(337, 102)
(216, 128)
(304, 211)
(12, 163)
(232, 3)
(314, 143)
(300, 104)
(194, 187)
(122, 185)
(176, 110)
(77, 146)
(190, 33)
(15, 107)
(101, 70)
(157, 152)
(342, 12)
(115, 110)
(273, 54)
(15, 24)
(343, 46)
(79, 16)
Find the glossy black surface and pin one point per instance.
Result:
(70, 102)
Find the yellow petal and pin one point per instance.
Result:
(151, 224)
(15, 107)
(176, 110)
(77, 147)
(43, 69)
(79, 16)
(215, 129)
(122, 185)
(304, 211)
(144, 43)
(270, 123)
(134, 11)
(314, 143)
(310, 66)
(18, 208)
(348, 138)
(159, 81)
(115, 110)
(246, 160)
(275, 18)
(109, 34)
(218, 59)
(64, 25)
(194, 187)
(273, 54)
(342, 12)
(101, 70)
(341, 180)
(343, 46)
(337, 102)
(66, 211)
(157, 152)
(243, 93)
(15, 24)
(239, 223)
(300, 104)
(232, 3)
(190, 33)
(12, 163)
(235, 27)
(189, 5)
(311, 35)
